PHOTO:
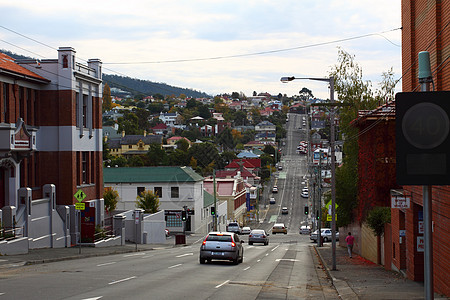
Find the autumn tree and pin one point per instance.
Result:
(107, 99)
(148, 201)
(111, 197)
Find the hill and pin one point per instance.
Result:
(133, 86)
(137, 87)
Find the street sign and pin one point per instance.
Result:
(330, 219)
(80, 195)
(422, 140)
(80, 206)
(400, 202)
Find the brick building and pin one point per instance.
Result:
(426, 27)
(50, 132)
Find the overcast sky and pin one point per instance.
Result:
(213, 46)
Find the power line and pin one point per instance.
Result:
(262, 52)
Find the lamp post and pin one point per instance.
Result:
(330, 80)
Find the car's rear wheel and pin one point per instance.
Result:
(250, 243)
(202, 260)
(325, 239)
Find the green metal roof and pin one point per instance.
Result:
(150, 174)
(208, 199)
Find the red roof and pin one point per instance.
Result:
(224, 174)
(160, 126)
(7, 63)
(249, 163)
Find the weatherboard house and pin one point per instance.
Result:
(50, 148)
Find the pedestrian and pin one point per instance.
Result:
(350, 239)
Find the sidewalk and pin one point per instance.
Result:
(358, 278)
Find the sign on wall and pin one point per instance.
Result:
(400, 202)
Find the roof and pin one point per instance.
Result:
(247, 154)
(7, 63)
(208, 199)
(150, 174)
(384, 112)
(232, 173)
(224, 187)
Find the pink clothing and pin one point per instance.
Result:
(349, 239)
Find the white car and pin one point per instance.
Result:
(246, 230)
(272, 200)
(305, 189)
(275, 189)
(305, 194)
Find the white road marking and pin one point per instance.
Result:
(106, 264)
(246, 268)
(286, 259)
(186, 254)
(275, 248)
(122, 280)
(258, 260)
(135, 254)
(95, 298)
(223, 283)
(267, 254)
(174, 266)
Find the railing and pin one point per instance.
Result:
(10, 233)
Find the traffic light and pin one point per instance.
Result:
(306, 210)
(317, 215)
(183, 215)
(213, 211)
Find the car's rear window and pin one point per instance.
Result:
(219, 238)
(258, 231)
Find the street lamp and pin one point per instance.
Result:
(333, 161)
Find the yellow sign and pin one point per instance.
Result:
(80, 195)
(329, 217)
(80, 206)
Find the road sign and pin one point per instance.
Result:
(80, 195)
(422, 138)
(80, 206)
(400, 202)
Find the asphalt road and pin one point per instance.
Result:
(284, 269)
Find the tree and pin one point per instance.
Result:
(306, 94)
(111, 197)
(129, 123)
(148, 201)
(225, 139)
(377, 217)
(204, 154)
(107, 100)
(156, 156)
(356, 93)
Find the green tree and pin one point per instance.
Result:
(111, 197)
(182, 144)
(225, 139)
(107, 99)
(377, 217)
(148, 201)
(129, 123)
(156, 156)
(357, 95)
(306, 94)
(204, 154)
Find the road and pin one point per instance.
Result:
(287, 268)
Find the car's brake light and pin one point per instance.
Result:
(263, 236)
(233, 244)
(249, 235)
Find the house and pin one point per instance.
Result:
(170, 119)
(51, 147)
(160, 129)
(232, 192)
(129, 145)
(176, 187)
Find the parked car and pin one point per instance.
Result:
(284, 210)
(222, 246)
(246, 230)
(279, 228)
(305, 229)
(280, 168)
(258, 236)
(275, 189)
(234, 227)
(272, 200)
(305, 189)
(304, 194)
(325, 233)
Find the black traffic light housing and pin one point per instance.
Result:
(306, 210)
(422, 139)
(213, 211)
(183, 215)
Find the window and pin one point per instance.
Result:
(84, 167)
(157, 190)
(173, 221)
(140, 190)
(85, 104)
(5, 102)
(174, 192)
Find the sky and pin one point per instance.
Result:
(213, 46)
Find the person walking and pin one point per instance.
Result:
(350, 239)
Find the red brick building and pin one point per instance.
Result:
(426, 27)
(50, 130)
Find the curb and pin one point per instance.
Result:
(341, 286)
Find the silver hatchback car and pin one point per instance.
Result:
(258, 236)
(222, 246)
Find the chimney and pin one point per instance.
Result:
(123, 133)
(145, 132)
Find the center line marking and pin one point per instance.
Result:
(105, 264)
(218, 286)
(122, 280)
(246, 268)
(135, 254)
(174, 266)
